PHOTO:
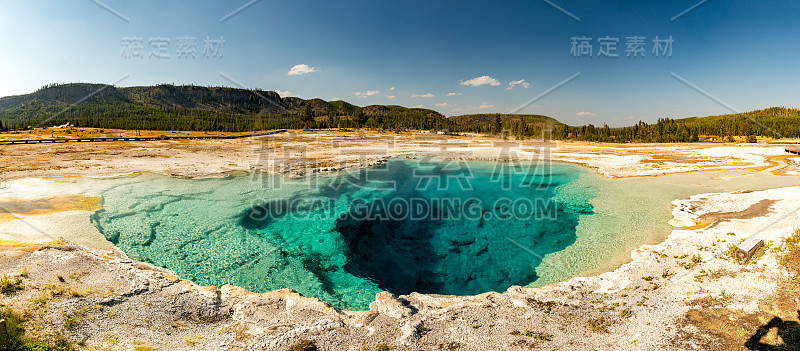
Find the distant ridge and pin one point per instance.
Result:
(190, 107)
(201, 108)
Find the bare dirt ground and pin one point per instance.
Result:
(686, 293)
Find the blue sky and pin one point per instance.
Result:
(744, 53)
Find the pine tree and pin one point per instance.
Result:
(307, 117)
(361, 118)
(379, 122)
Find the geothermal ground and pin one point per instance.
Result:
(688, 292)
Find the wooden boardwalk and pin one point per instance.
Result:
(795, 149)
(155, 138)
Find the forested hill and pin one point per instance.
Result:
(169, 107)
(773, 122)
(189, 107)
(520, 126)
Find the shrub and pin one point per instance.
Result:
(9, 286)
(61, 343)
(731, 252)
(13, 339)
(303, 345)
(422, 330)
(597, 324)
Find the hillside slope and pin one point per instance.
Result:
(169, 107)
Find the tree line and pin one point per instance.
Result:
(772, 123)
(194, 108)
(127, 116)
(775, 122)
(130, 116)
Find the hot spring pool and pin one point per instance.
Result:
(437, 228)
(454, 229)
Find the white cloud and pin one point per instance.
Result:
(428, 95)
(586, 113)
(392, 88)
(454, 94)
(336, 99)
(444, 104)
(483, 106)
(482, 80)
(301, 69)
(522, 83)
(391, 96)
(367, 93)
(418, 106)
(284, 93)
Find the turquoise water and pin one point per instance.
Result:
(267, 232)
(439, 228)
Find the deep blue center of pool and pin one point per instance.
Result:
(455, 228)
